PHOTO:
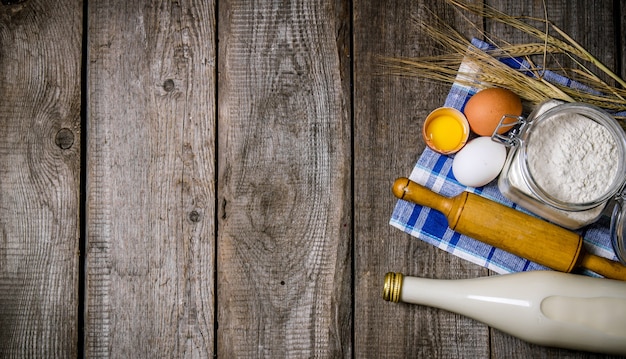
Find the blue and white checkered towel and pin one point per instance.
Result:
(435, 172)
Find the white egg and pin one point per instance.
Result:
(479, 162)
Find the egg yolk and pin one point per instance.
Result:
(445, 132)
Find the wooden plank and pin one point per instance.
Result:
(389, 113)
(284, 180)
(595, 31)
(620, 21)
(40, 59)
(388, 116)
(150, 179)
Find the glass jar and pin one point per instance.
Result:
(566, 162)
(618, 229)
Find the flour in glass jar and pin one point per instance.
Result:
(572, 158)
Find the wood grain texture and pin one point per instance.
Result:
(620, 23)
(150, 179)
(40, 54)
(284, 175)
(389, 113)
(593, 26)
(238, 192)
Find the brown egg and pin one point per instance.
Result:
(485, 109)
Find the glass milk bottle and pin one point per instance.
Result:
(542, 307)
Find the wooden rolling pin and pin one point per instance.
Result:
(511, 230)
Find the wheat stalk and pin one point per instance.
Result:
(492, 72)
(569, 46)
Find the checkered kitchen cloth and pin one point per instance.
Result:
(435, 172)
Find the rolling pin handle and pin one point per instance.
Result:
(410, 191)
(400, 187)
(603, 266)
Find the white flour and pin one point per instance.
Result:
(572, 158)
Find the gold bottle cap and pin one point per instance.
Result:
(393, 286)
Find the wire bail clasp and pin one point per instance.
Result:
(511, 137)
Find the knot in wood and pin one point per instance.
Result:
(169, 85)
(64, 138)
(194, 216)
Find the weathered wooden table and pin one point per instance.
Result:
(212, 178)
